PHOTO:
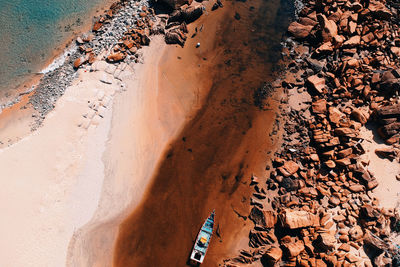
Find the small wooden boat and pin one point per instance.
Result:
(203, 240)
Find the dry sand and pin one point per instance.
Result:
(385, 171)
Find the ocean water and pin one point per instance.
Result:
(30, 30)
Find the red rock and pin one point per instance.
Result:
(326, 241)
(300, 31)
(325, 48)
(129, 43)
(330, 164)
(379, 10)
(360, 115)
(343, 131)
(294, 249)
(335, 115)
(115, 57)
(329, 28)
(343, 162)
(319, 106)
(345, 152)
(317, 83)
(334, 201)
(97, 25)
(307, 21)
(288, 168)
(352, 42)
(294, 219)
(368, 37)
(356, 188)
(345, 247)
(352, 27)
(273, 255)
(78, 62)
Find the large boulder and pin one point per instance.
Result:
(273, 255)
(360, 115)
(115, 57)
(300, 31)
(294, 219)
(329, 28)
(316, 83)
(288, 168)
(175, 36)
(187, 15)
(326, 241)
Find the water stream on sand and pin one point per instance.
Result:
(208, 166)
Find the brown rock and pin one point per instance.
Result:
(294, 249)
(129, 43)
(344, 238)
(273, 255)
(375, 242)
(307, 21)
(360, 115)
(97, 25)
(343, 131)
(335, 115)
(115, 57)
(345, 152)
(317, 83)
(352, 42)
(78, 62)
(325, 48)
(175, 36)
(334, 201)
(298, 219)
(329, 28)
(345, 247)
(356, 188)
(263, 218)
(330, 164)
(300, 31)
(326, 241)
(319, 106)
(379, 10)
(343, 162)
(369, 212)
(351, 258)
(288, 168)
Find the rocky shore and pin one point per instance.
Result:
(318, 205)
(116, 37)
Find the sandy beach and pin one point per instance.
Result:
(117, 160)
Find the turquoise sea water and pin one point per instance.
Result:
(30, 30)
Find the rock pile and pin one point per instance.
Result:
(316, 208)
(177, 30)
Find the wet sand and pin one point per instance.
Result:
(209, 164)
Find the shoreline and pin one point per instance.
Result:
(33, 79)
(60, 59)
